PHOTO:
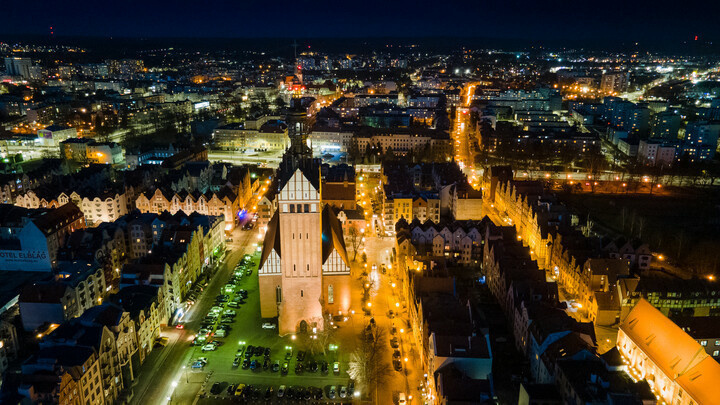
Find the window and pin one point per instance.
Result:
(292, 208)
(278, 294)
(307, 268)
(716, 353)
(703, 343)
(307, 207)
(301, 293)
(331, 295)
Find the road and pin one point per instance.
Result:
(164, 366)
(464, 137)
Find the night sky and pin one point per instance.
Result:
(526, 19)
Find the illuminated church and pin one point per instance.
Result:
(304, 268)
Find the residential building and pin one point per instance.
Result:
(63, 374)
(76, 287)
(653, 153)
(34, 237)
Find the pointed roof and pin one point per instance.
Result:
(272, 239)
(332, 235)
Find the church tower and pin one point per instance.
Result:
(304, 271)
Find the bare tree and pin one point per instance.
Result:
(356, 239)
(368, 365)
(641, 225)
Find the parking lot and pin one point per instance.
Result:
(245, 329)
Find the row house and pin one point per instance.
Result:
(186, 246)
(66, 374)
(571, 258)
(97, 206)
(636, 252)
(110, 332)
(157, 275)
(104, 246)
(457, 241)
(421, 206)
(144, 303)
(223, 203)
(76, 287)
(451, 340)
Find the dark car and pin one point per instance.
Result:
(266, 364)
(298, 368)
(324, 367)
(249, 351)
(259, 351)
(394, 343)
(351, 388)
(317, 393)
(253, 365)
(300, 356)
(216, 388)
(313, 366)
(267, 352)
(231, 389)
(245, 364)
(269, 392)
(397, 365)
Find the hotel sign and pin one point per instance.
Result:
(25, 260)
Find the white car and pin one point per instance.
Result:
(401, 399)
(343, 391)
(268, 325)
(209, 348)
(281, 391)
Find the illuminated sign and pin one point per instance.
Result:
(25, 260)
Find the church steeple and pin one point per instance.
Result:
(299, 154)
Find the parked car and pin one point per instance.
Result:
(336, 368)
(216, 388)
(253, 365)
(276, 367)
(268, 325)
(284, 369)
(300, 355)
(239, 390)
(331, 392)
(209, 348)
(281, 391)
(397, 364)
(343, 391)
(197, 364)
(401, 399)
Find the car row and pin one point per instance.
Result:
(286, 392)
